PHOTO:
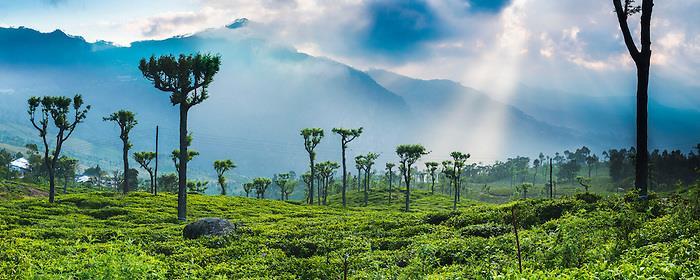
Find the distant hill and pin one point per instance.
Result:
(265, 93)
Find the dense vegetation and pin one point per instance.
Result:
(107, 235)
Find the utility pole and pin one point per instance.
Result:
(155, 178)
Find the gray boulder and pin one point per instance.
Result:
(208, 227)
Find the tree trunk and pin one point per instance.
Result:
(182, 170)
(391, 177)
(125, 157)
(366, 189)
(407, 178)
(345, 175)
(642, 157)
(311, 181)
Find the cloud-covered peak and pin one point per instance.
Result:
(238, 23)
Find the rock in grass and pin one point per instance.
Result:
(208, 227)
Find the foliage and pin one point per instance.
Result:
(110, 236)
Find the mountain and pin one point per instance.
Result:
(477, 122)
(261, 98)
(265, 93)
(611, 118)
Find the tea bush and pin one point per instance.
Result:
(103, 235)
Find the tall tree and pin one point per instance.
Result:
(126, 121)
(432, 167)
(535, 164)
(312, 136)
(346, 136)
(368, 162)
(144, 160)
(409, 154)
(642, 59)
(221, 167)
(66, 169)
(359, 164)
(186, 78)
(390, 173)
(459, 160)
(57, 109)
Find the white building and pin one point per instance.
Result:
(20, 165)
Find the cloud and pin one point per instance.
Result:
(489, 6)
(399, 28)
(54, 2)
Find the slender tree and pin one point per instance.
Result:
(369, 160)
(126, 121)
(175, 157)
(432, 167)
(66, 169)
(390, 172)
(247, 188)
(312, 136)
(535, 164)
(642, 59)
(221, 167)
(281, 181)
(186, 78)
(346, 136)
(409, 154)
(261, 185)
(459, 160)
(144, 159)
(359, 164)
(58, 110)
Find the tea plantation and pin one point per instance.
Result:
(89, 235)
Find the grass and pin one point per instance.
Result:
(102, 235)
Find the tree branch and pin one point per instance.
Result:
(622, 19)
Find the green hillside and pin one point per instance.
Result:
(110, 236)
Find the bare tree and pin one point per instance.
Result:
(642, 59)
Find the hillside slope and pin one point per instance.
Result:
(110, 236)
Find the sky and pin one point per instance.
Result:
(491, 45)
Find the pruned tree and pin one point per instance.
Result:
(409, 154)
(175, 157)
(642, 60)
(312, 136)
(126, 121)
(186, 78)
(248, 187)
(66, 170)
(524, 188)
(308, 180)
(261, 184)
(368, 162)
(360, 165)
(326, 170)
(346, 136)
(197, 187)
(144, 159)
(432, 167)
(58, 110)
(449, 173)
(390, 173)
(459, 160)
(281, 181)
(585, 182)
(221, 167)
